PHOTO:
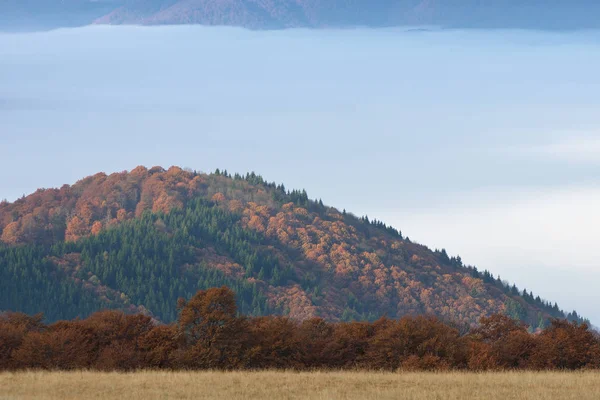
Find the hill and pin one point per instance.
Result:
(137, 241)
(271, 14)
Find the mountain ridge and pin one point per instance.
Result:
(270, 14)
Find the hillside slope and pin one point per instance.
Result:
(139, 240)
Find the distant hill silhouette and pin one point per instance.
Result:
(278, 14)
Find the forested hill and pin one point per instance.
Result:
(138, 241)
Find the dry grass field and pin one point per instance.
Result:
(290, 385)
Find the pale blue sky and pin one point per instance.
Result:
(485, 143)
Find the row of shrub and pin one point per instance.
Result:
(209, 334)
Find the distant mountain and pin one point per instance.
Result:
(278, 14)
(265, 14)
(138, 240)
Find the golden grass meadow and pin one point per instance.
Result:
(302, 385)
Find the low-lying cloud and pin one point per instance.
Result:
(575, 150)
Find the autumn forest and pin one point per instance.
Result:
(130, 259)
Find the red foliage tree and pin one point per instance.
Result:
(14, 327)
(210, 329)
(566, 345)
(501, 343)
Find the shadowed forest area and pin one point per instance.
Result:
(210, 334)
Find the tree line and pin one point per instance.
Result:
(210, 334)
